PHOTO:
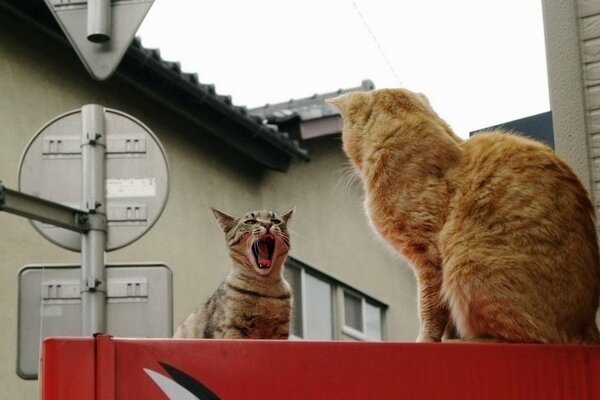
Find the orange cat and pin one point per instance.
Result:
(499, 230)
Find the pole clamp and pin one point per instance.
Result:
(92, 222)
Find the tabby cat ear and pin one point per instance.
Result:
(286, 216)
(223, 219)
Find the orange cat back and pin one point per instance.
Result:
(499, 230)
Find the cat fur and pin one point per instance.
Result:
(252, 302)
(498, 229)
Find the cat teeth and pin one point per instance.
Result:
(264, 263)
(263, 250)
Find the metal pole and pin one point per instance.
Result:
(98, 20)
(93, 242)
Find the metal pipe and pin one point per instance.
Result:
(93, 149)
(93, 281)
(98, 21)
(93, 199)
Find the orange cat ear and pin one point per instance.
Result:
(223, 219)
(340, 102)
(286, 217)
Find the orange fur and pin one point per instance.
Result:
(499, 230)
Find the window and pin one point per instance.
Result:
(316, 314)
(362, 318)
(353, 312)
(373, 322)
(318, 310)
(294, 278)
(312, 307)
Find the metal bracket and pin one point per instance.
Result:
(93, 138)
(32, 207)
(2, 196)
(93, 125)
(96, 222)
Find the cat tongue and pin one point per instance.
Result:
(263, 254)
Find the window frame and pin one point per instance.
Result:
(304, 271)
(338, 288)
(353, 332)
(347, 329)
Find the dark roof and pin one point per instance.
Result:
(537, 126)
(184, 94)
(307, 108)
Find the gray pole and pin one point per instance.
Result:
(98, 20)
(93, 242)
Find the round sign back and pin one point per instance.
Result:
(137, 176)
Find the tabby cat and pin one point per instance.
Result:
(499, 230)
(254, 301)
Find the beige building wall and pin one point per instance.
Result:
(39, 81)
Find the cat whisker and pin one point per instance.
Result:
(284, 239)
(297, 235)
(343, 170)
(251, 241)
(286, 242)
(348, 178)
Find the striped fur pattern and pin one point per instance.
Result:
(254, 301)
(499, 231)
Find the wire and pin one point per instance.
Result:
(385, 58)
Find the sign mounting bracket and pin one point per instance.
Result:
(46, 211)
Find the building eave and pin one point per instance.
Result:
(184, 95)
(308, 117)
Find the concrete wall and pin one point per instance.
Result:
(39, 81)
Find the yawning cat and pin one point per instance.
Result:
(254, 301)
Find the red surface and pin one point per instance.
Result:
(68, 369)
(321, 370)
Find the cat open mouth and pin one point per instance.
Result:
(263, 249)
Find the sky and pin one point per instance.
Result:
(480, 62)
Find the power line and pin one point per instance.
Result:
(385, 58)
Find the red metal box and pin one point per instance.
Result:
(106, 368)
